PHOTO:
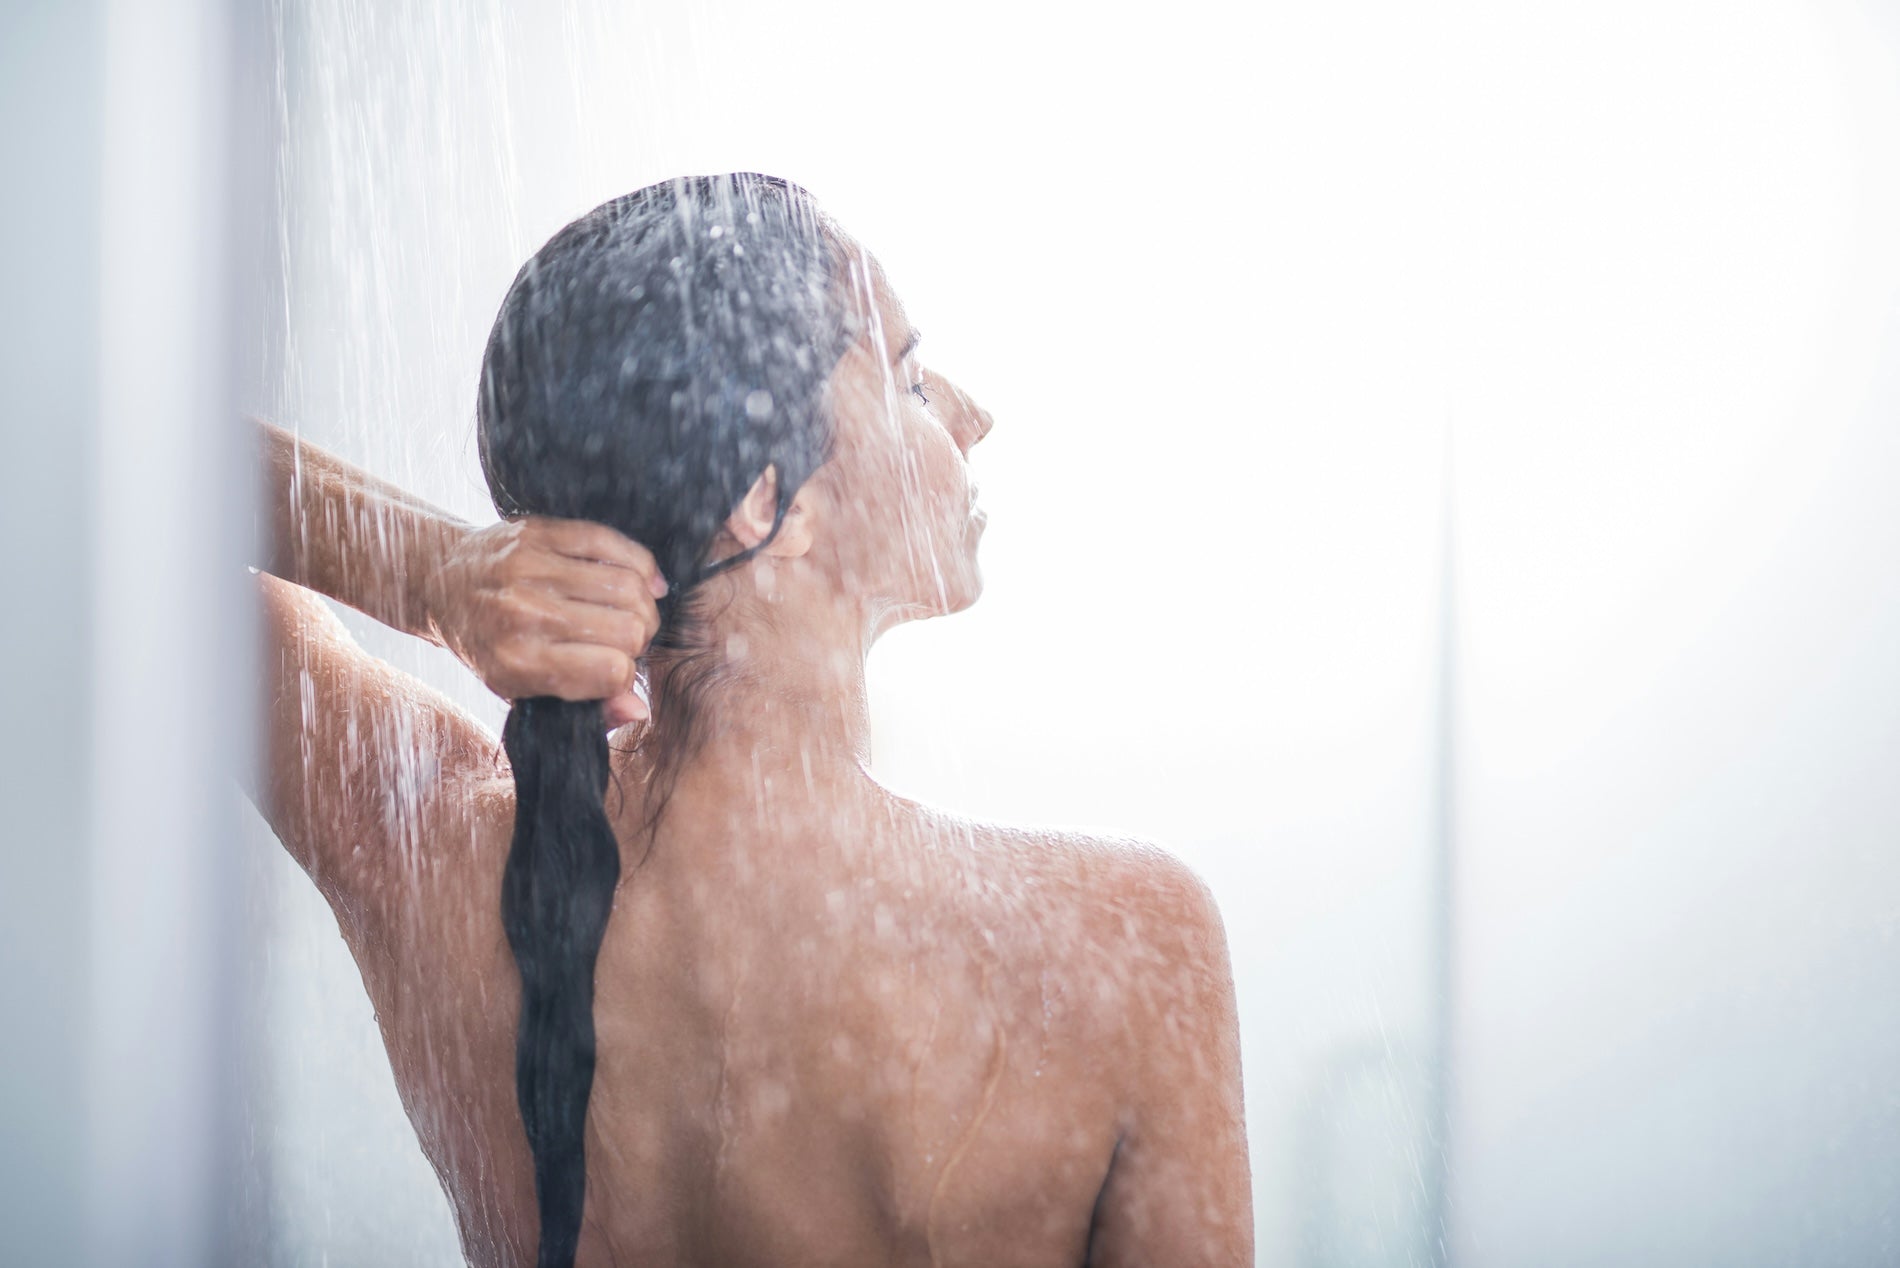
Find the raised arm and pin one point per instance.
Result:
(1178, 1192)
(363, 763)
(535, 606)
(360, 760)
(340, 531)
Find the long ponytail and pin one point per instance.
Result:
(648, 364)
(557, 893)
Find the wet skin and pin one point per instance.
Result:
(834, 1026)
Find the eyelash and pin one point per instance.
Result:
(919, 389)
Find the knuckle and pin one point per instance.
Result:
(514, 615)
(609, 677)
(506, 660)
(597, 578)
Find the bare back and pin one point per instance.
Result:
(841, 1028)
(914, 1051)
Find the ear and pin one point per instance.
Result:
(751, 520)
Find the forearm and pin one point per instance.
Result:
(342, 532)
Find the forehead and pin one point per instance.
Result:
(884, 325)
(860, 385)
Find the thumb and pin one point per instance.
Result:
(624, 708)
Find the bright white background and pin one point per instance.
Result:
(1678, 517)
(1235, 282)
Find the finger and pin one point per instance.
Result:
(591, 582)
(584, 539)
(624, 708)
(572, 621)
(583, 671)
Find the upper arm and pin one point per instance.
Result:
(361, 761)
(1178, 1190)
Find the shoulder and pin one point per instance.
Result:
(1159, 920)
(1149, 880)
(1125, 916)
(1132, 889)
(1073, 897)
(1155, 965)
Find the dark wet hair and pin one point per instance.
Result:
(647, 365)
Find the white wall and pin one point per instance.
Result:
(1678, 839)
(50, 55)
(124, 648)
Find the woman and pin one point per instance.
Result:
(748, 1006)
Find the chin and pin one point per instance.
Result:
(954, 586)
(970, 572)
(959, 590)
(966, 590)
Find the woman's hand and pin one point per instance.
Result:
(549, 607)
(535, 606)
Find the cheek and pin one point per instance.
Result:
(899, 503)
(865, 514)
(914, 479)
(937, 468)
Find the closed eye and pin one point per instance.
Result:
(919, 389)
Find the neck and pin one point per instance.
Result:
(776, 711)
(770, 702)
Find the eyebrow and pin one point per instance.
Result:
(910, 345)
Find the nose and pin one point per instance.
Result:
(973, 421)
(984, 421)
